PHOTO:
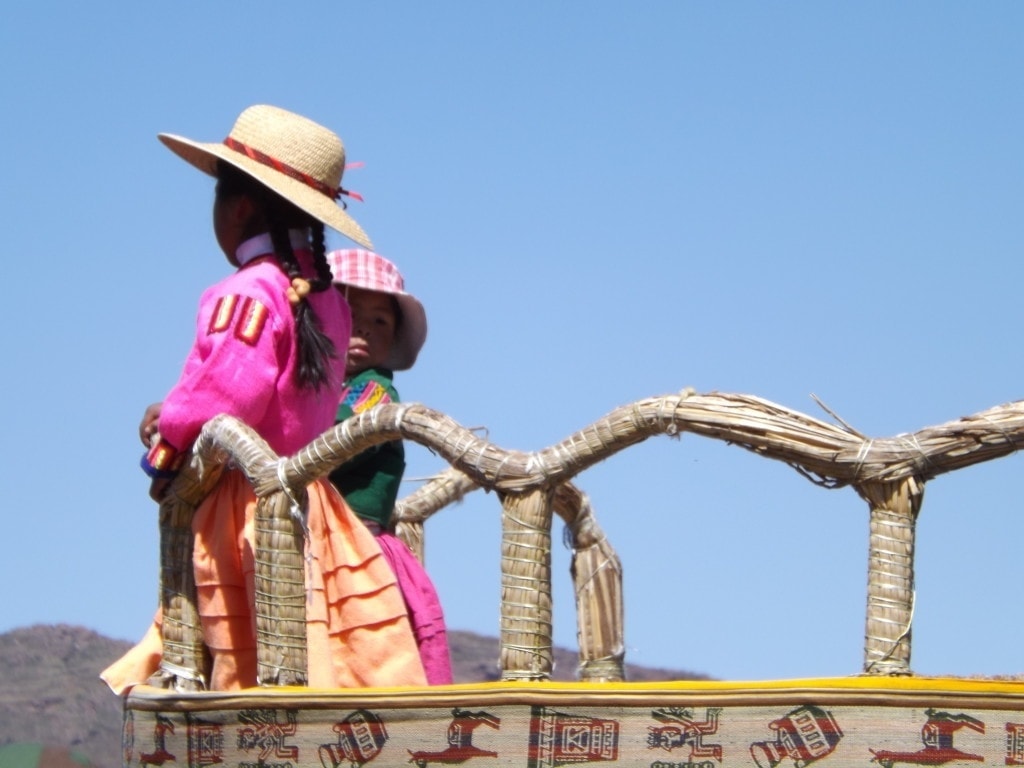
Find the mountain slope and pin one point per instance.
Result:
(51, 694)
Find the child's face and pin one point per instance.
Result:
(373, 329)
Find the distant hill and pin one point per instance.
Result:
(50, 692)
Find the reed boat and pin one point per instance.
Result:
(885, 715)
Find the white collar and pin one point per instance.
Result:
(261, 245)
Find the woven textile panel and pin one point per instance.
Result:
(857, 722)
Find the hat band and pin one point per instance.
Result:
(287, 170)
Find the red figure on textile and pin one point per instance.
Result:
(681, 729)
(263, 732)
(361, 737)
(460, 740)
(159, 755)
(806, 734)
(937, 735)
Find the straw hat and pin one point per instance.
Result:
(295, 157)
(372, 272)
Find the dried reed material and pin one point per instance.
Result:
(280, 608)
(828, 454)
(444, 488)
(412, 511)
(597, 578)
(526, 652)
(280, 590)
(595, 568)
(225, 439)
(185, 664)
(894, 509)
(411, 534)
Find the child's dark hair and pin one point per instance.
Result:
(315, 348)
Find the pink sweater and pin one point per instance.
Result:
(243, 362)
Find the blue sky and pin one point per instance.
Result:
(597, 203)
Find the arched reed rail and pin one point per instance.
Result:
(888, 473)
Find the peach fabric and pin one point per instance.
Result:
(141, 661)
(357, 629)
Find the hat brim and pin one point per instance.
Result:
(412, 333)
(204, 156)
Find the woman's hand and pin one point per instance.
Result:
(148, 425)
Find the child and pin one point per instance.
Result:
(269, 350)
(389, 327)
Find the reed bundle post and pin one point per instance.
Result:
(597, 579)
(894, 507)
(184, 665)
(526, 621)
(280, 590)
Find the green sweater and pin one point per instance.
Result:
(369, 482)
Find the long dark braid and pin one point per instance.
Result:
(315, 349)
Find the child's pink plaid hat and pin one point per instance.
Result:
(372, 272)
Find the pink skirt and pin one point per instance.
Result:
(424, 608)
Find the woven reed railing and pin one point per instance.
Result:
(888, 473)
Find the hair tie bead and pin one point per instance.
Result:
(298, 290)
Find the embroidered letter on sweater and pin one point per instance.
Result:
(250, 321)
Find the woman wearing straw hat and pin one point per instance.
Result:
(389, 326)
(270, 350)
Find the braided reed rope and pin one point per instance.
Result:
(411, 512)
(827, 454)
(446, 487)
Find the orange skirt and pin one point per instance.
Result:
(357, 629)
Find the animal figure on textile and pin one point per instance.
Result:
(460, 740)
(937, 735)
